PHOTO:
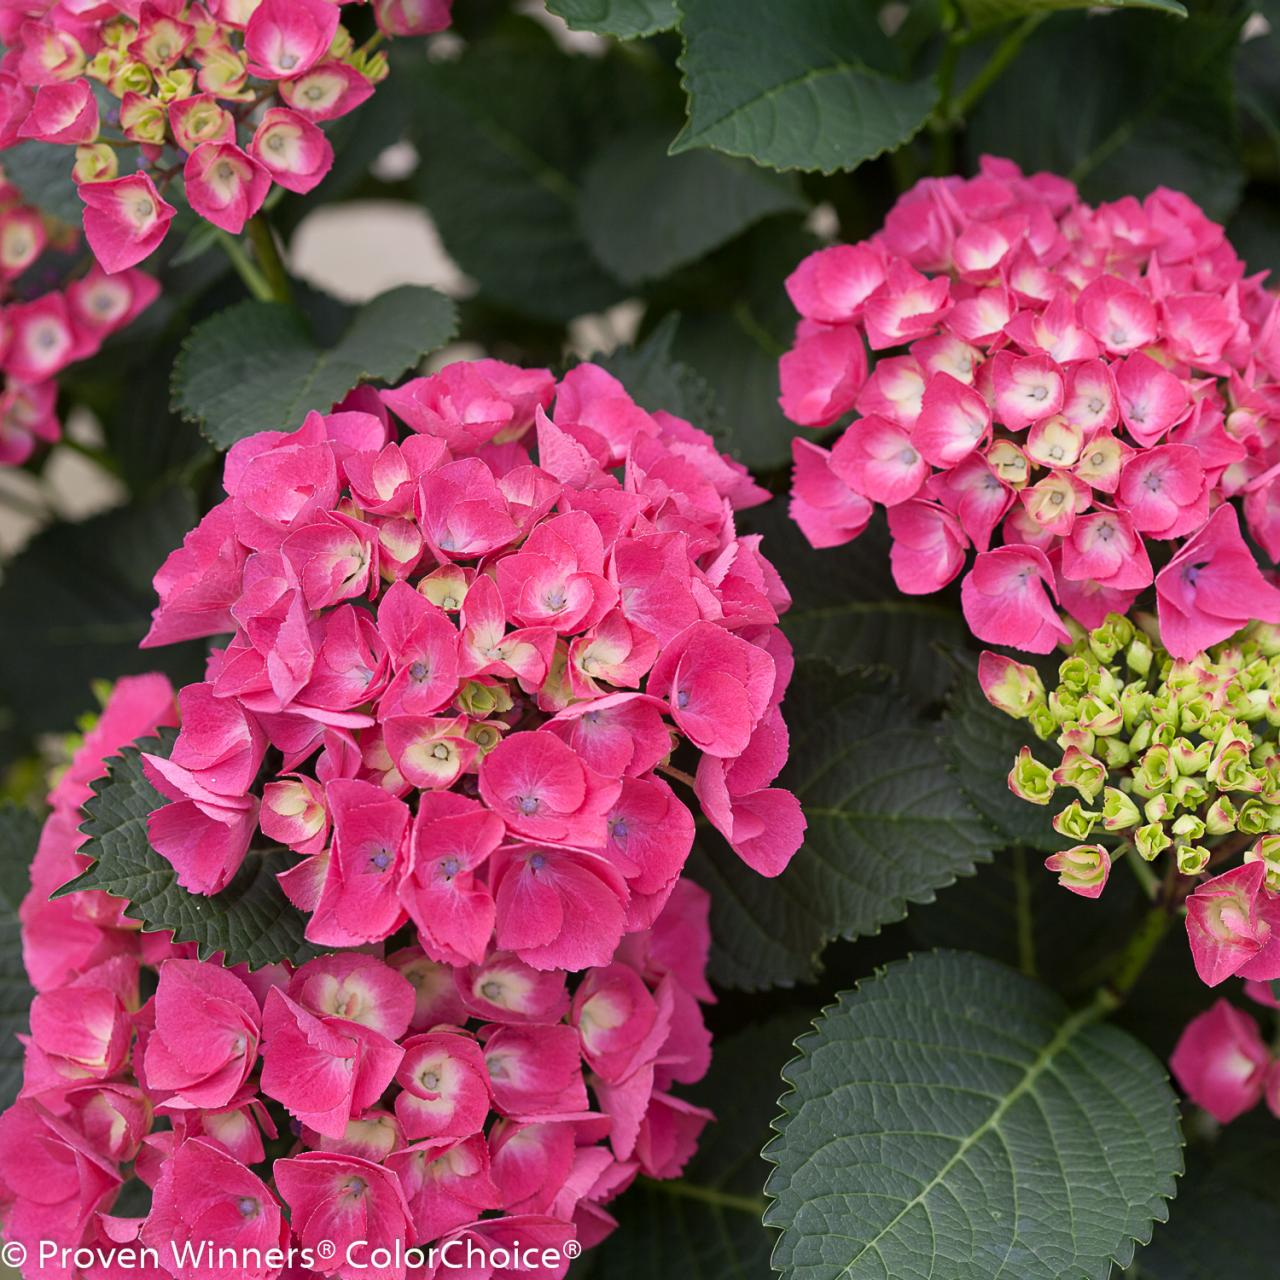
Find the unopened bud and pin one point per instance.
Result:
(1012, 687)
(1075, 822)
(1030, 780)
(1083, 772)
(1151, 840)
(1083, 869)
(1119, 813)
(1221, 817)
(1191, 858)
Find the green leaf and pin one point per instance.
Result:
(846, 609)
(251, 921)
(644, 213)
(1156, 107)
(981, 744)
(953, 1118)
(19, 834)
(734, 332)
(706, 1225)
(256, 367)
(656, 380)
(887, 827)
(43, 174)
(987, 13)
(625, 19)
(504, 133)
(76, 602)
(796, 86)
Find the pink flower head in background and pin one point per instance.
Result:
(1061, 380)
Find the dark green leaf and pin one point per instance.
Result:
(656, 380)
(981, 744)
(256, 367)
(706, 1225)
(504, 133)
(251, 921)
(846, 609)
(796, 86)
(644, 213)
(734, 337)
(887, 827)
(75, 603)
(987, 13)
(1156, 107)
(952, 1118)
(19, 834)
(625, 19)
(42, 173)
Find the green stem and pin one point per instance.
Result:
(268, 254)
(995, 66)
(254, 280)
(754, 1205)
(1147, 878)
(941, 124)
(1137, 954)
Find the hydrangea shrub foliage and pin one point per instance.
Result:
(736, 733)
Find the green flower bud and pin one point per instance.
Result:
(1064, 705)
(1221, 817)
(1141, 738)
(1253, 818)
(1138, 655)
(486, 734)
(1114, 753)
(1075, 822)
(1074, 736)
(1100, 717)
(1267, 851)
(1081, 771)
(1150, 841)
(1189, 759)
(1154, 772)
(1030, 780)
(1266, 635)
(1164, 708)
(1231, 768)
(1042, 722)
(1192, 858)
(1011, 687)
(1188, 827)
(1074, 674)
(481, 700)
(1119, 813)
(1158, 808)
(1190, 793)
(1082, 869)
(1135, 704)
(1107, 640)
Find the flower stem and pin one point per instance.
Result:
(678, 774)
(995, 66)
(754, 1205)
(268, 254)
(1137, 954)
(254, 280)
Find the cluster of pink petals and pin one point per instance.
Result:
(471, 669)
(40, 336)
(1058, 388)
(427, 1103)
(230, 93)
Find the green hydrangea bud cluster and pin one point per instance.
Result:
(1163, 753)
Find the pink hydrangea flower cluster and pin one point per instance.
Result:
(230, 95)
(395, 1101)
(471, 669)
(1062, 389)
(41, 336)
